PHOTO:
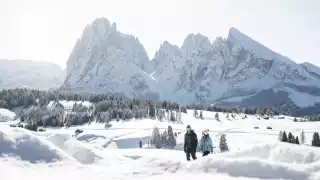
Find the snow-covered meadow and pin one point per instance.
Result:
(98, 153)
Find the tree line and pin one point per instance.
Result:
(284, 137)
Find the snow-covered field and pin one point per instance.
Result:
(98, 153)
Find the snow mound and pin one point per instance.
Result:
(74, 148)
(281, 152)
(27, 147)
(6, 114)
(234, 167)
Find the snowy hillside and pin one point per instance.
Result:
(98, 153)
(200, 71)
(30, 74)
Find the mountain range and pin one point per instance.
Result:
(30, 74)
(232, 71)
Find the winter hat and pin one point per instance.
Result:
(188, 127)
(205, 132)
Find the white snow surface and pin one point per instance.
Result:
(98, 153)
(6, 114)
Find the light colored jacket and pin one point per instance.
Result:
(206, 144)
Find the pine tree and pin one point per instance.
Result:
(302, 137)
(171, 138)
(290, 138)
(140, 144)
(295, 119)
(280, 135)
(227, 116)
(216, 116)
(172, 117)
(315, 140)
(195, 113)
(201, 116)
(297, 140)
(284, 137)
(164, 139)
(156, 138)
(223, 143)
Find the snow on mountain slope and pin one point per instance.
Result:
(254, 153)
(199, 71)
(30, 74)
(105, 60)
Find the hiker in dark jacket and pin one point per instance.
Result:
(190, 143)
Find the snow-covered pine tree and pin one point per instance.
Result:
(290, 138)
(302, 137)
(164, 139)
(201, 116)
(195, 113)
(156, 138)
(227, 116)
(216, 116)
(223, 143)
(315, 140)
(172, 116)
(280, 135)
(297, 140)
(171, 138)
(284, 137)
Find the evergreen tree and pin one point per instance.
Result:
(171, 138)
(156, 138)
(295, 119)
(201, 116)
(152, 111)
(227, 116)
(315, 140)
(290, 138)
(223, 143)
(195, 113)
(140, 144)
(216, 116)
(302, 137)
(172, 116)
(280, 135)
(284, 137)
(297, 140)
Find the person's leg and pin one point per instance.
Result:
(193, 154)
(205, 153)
(188, 154)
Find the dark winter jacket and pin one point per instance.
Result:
(190, 140)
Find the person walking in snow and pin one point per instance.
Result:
(206, 143)
(190, 143)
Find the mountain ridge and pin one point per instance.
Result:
(18, 73)
(200, 71)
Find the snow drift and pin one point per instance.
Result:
(26, 147)
(74, 148)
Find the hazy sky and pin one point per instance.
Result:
(45, 30)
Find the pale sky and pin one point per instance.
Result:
(44, 30)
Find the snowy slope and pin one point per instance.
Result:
(30, 74)
(254, 153)
(6, 115)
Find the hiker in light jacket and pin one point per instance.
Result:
(206, 143)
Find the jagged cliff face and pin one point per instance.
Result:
(105, 60)
(234, 70)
